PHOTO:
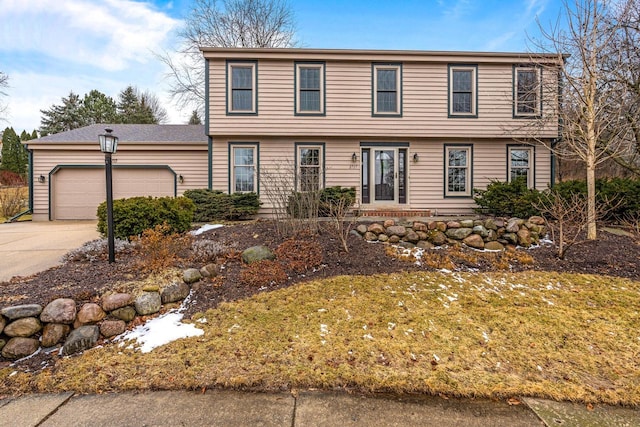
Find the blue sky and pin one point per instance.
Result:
(50, 47)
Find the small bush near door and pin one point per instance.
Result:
(134, 215)
(215, 205)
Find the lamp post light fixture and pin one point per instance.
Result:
(109, 145)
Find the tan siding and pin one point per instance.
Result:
(190, 162)
(425, 179)
(348, 104)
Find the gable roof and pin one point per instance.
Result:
(130, 134)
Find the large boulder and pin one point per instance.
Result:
(24, 327)
(537, 220)
(493, 246)
(115, 301)
(513, 225)
(257, 253)
(467, 223)
(375, 228)
(474, 241)
(53, 333)
(125, 313)
(83, 338)
(370, 236)
(90, 313)
(209, 270)
(437, 237)
(361, 228)
(61, 310)
(411, 236)
(524, 237)
(19, 347)
(480, 230)
(191, 275)
(20, 311)
(420, 226)
(176, 291)
(396, 230)
(148, 303)
(111, 328)
(458, 233)
(490, 224)
(3, 323)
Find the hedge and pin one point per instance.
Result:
(211, 205)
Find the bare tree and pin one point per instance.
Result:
(591, 111)
(4, 83)
(225, 23)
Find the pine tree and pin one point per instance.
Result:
(98, 108)
(133, 107)
(34, 134)
(60, 118)
(195, 118)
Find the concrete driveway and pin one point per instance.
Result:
(30, 247)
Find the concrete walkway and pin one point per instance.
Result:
(30, 247)
(230, 408)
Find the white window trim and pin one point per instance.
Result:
(536, 111)
(254, 88)
(319, 66)
(398, 69)
(320, 149)
(474, 89)
(530, 168)
(467, 191)
(232, 160)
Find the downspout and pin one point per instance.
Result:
(30, 175)
(206, 126)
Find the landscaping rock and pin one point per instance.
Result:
(423, 244)
(438, 238)
(148, 303)
(111, 328)
(375, 228)
(474, 241)
(458, 233)
(388, 223)
(420, 226)
(90, 313)
(256, 253)
(125, 313)
(423, 235)
(493, 246)
(151, 288)
(467, 223)
(361, 229)
(53, 333)
(24, 327)
(81, 339)
(441, 226)
(192, 275)
(480, 230)
(394, 239)
(20, 311)
(3, 342)
(411, 236)
(524, 238)
(383, 238)
(61, 310)
(490, 224)
(370, 236)
(396, 230)
(452, 224)
(3, 323)
(209, 270)
(513, 225)
(537, 220)
(510, 238)
(114, 301)
(177, 291)
(19, 347)
(406, 245)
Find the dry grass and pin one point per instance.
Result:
(13, 200)
(559, 336)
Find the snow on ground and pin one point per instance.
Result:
(161, 330)
(206, 227)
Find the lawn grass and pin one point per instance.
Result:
(559, 336)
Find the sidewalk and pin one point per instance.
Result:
(308, 408)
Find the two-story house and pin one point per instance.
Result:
(412, 131)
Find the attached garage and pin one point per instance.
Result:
(68, 174)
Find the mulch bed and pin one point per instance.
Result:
(86, 281)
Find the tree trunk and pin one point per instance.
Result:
(591, 195)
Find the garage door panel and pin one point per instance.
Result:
(76, 193)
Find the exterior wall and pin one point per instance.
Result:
(426, 178)
(190, 161)
(349, 98)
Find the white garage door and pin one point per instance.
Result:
(77, 192)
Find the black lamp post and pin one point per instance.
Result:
(109, 145)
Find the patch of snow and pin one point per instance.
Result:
(322, 310)
(13, 373)
(391, 326)
(367, 337)
(324, 329)
(485, 336)
(206, 227)
(29, 356)
(202, 320)
(435, 357)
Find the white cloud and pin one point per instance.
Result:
(109, 34)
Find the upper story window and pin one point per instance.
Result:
(243, 166)
(527, 91)
(387, 89)
(242, 82)
(310, 165)
(310, 88)
(521, 164)
(458, 171)
(463, 95)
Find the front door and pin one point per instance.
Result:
(383, 175)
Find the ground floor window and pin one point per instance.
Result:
(310, 167)
(458, 170)
(521, 164)
(243, 160)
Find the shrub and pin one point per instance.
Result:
(333, 198)
(209, 250)
(11, 179)
(216, 205)
(263, 273)
(299, 255)
(134, 215)
(158, 248)
(311, 204)
(623, 192)
(507, 199)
